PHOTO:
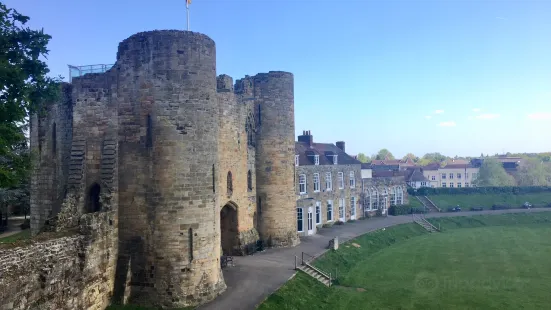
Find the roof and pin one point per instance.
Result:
(325, 151)
(388, 173)
(433, 166)
(416, 175)
(458, 166)
(390, 162)
(457, 162)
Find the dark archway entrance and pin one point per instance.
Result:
(93, 203)
(228, 229)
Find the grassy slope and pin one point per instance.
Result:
(25, 234)
(414, 202)
(494, 266)
(487, 200)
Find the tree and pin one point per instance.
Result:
(363, 158)
(432, 158)
(534, 172)
(411, 156)
(491, 173)
(26, 89)
(384, 154)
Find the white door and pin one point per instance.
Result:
(342, 210)
(310, 221)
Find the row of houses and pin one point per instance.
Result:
(332, 186)
(453, 173)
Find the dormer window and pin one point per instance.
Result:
(296, 160)
(335, 160)
(316, 160)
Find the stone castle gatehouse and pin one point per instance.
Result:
(164, 167)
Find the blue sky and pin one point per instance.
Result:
(450, 76)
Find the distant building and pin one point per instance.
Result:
(510, 164)
(328, 184)
(392, 164)
(450, 175)
(416, 179)
(382, 189)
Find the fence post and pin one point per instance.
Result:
(302, 259)
(330, 279)
(296, 258)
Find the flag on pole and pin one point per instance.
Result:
(188, 1)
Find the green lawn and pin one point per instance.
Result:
(414, 202)
(499, 262)
(487, 200)
(25, 234)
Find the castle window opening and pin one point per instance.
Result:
(93, 203)
(54, 138)
(190, 245)
(249, 181)
(230, 183)
(149, 132)
(213, 179)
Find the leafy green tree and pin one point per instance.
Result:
(363, 158)
(411, 156)
(384, 154)
(491, 173)
(534, 172)
(26, 89)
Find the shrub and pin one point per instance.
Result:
(339, 223)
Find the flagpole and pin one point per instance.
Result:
(187, 12)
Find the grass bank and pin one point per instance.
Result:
(498, 263)
(487, 200)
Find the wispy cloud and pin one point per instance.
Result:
(539, 116)
(476, 110)
(487, 116)
(438, 111)
(428, 116)
(470, 118)
(502, 18)
(447, 124)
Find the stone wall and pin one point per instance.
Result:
(385, 183)
(275, 151)
(51, 136)
(72, 272)
(168, 133)
(324, 195)
(236, 151)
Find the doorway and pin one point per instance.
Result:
(310, 221)
(228, 229)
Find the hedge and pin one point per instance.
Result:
(404, 209)
(429, 191)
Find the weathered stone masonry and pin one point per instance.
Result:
(161, 166)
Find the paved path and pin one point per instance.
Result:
(255, 277)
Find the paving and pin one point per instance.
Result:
(255, 277)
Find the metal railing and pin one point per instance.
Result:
(306, 262)
(76, 71)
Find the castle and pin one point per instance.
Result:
(162, 167)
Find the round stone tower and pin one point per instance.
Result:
(275, 152)
(168, 129)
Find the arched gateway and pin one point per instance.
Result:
(228, 229)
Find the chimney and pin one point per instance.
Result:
(306, 137)
(340, 145)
